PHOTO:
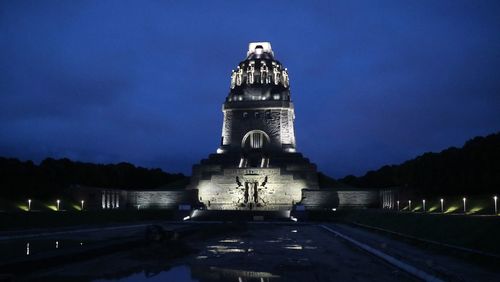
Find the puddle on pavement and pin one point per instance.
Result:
(254, 254)
(24, 248)
(226, 258)
(191, 274)
(178, 273)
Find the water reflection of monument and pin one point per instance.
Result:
(256, 165)
(213, 273)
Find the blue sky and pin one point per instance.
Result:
(374, 82)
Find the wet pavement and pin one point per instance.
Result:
(439, 263)
(257, 252)
(26, 245)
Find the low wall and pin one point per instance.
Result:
(359, 199)
(312, 199)
(166, 199)
(319, 199)
(97, 198)
(330, 198)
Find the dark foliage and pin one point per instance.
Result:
(25, 179)
(325, 181)
(470, 170)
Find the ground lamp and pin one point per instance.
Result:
(465, 207)
(58, 202)
(495, 200)
(442, 206)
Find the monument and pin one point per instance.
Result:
(256, 166)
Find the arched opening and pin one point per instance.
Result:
(255, 139)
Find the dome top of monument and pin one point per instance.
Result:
(260, 76)
(260, 50)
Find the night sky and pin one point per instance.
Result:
(143, 81)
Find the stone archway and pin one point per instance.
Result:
(255, 139)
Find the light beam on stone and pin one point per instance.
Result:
(256, 166)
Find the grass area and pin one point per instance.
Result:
(475, 232)
(29, 220)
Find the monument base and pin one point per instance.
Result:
(230, 182)
(239, 215)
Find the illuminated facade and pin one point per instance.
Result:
(256, 165)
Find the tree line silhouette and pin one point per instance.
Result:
(471, 170)
(22, 179)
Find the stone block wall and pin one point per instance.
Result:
(276, 123)
(330, 198)
(97, 198)
(166, 199)
(358, 198)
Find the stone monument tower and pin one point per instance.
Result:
(256, 165)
